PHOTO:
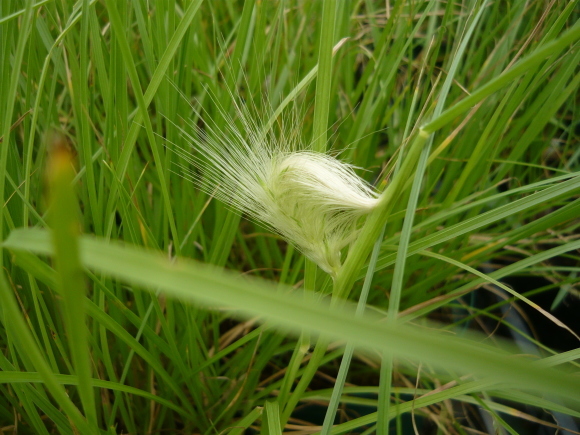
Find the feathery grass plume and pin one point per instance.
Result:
(311, 199)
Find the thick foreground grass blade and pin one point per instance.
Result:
(192, 282)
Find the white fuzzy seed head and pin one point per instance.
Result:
(311, 199)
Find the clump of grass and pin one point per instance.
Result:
(479, 96)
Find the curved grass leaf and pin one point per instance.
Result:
(195, 283)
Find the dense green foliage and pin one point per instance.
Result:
(462, 114)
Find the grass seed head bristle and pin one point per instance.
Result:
(311, 199)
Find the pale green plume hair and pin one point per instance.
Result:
(311, 199)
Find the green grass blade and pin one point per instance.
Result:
(549, 49)
(324, 78)
(31, 377)
(272, 426)
(27, 345)
(65, 229)
(292, 312)
(10, 97)
(349, 350)
(117, 25)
